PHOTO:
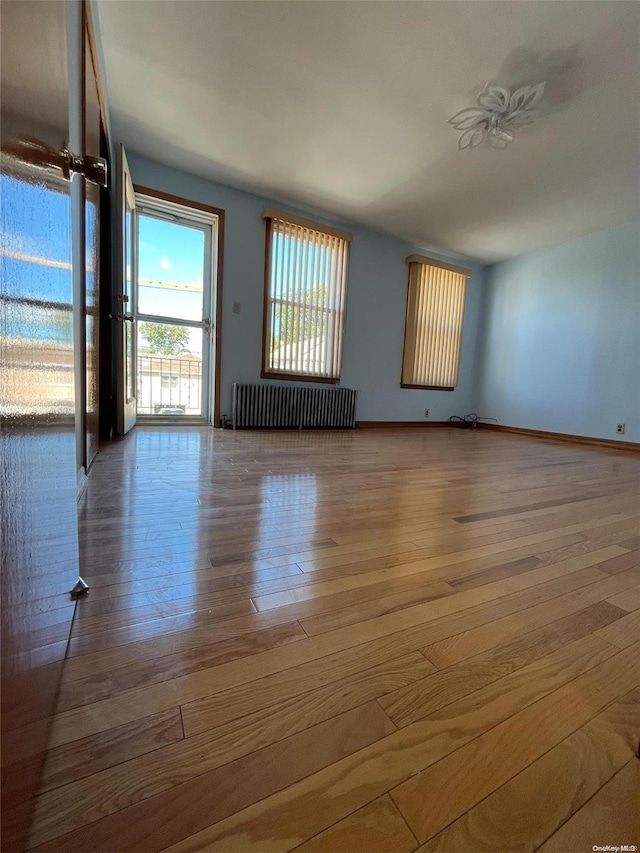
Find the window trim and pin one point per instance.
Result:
(273, 213)
(269, 214)
(428, 387)
(431, 262)
(439, 265)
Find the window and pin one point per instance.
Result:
(169, 381)
(305, 292)
(433, 329)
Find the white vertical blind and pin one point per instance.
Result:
(433, 330)
(306, 279)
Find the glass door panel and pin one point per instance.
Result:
(173, 311)
(169, 370)
(170, 280)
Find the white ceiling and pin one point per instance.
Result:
(342, 108)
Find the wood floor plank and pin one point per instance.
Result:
(341, 609)
(355, 553)
(86, 757)
(234, 589)
(349, 608)
(93, 688)
(464, 644)
(620, 527)
(76, 723)
(311, 806)
(621, 563)
(417, 588)
(632, 542)
(517, 510)
(352, 582)
(628, 600)
(166, 818)
(504, 570)
(612, 813)
(544, 519)
(584, 546)
(156, 629)
(342, 555)
(257, 695)
(464, 567)
(146, 591)
(234, 637)
(127, 784)
(476, 770)
(241, 699)
(579, 766)
(417, 700)
(376, 828)
(624, 633)
(211, 603)
(345, 616)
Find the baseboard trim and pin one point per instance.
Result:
(403, 424)
(608, 443)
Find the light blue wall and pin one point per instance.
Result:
(376, 301)
(561, 337)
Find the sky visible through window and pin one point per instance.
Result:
(171, 269)
(170, 272)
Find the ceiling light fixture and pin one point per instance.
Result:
(498, 115)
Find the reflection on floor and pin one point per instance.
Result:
(350, 641)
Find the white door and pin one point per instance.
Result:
(175, 266)
(124, 310)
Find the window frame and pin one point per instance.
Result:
(432, 262)
(269, 215)
(156, 198)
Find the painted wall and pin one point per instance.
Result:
(561, 337)
(376, 301)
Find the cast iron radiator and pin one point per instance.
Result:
(275, 406)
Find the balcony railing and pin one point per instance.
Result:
(169, 385)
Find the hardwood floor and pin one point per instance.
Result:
(368, 641)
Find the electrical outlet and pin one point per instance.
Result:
(620, 428)
(426, 413)
(235, 308)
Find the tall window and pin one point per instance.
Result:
(305, 291)
(433, 330)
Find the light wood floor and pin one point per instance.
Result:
(394, 640)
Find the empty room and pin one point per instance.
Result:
(320, 426)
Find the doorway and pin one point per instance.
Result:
(177, 290)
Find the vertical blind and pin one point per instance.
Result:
(433, 330)
(305, 282)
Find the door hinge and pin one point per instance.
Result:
(94, 169)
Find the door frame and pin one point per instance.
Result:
(207, 225)
(216, 284)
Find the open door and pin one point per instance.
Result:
(38, 509)
(125, 310)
